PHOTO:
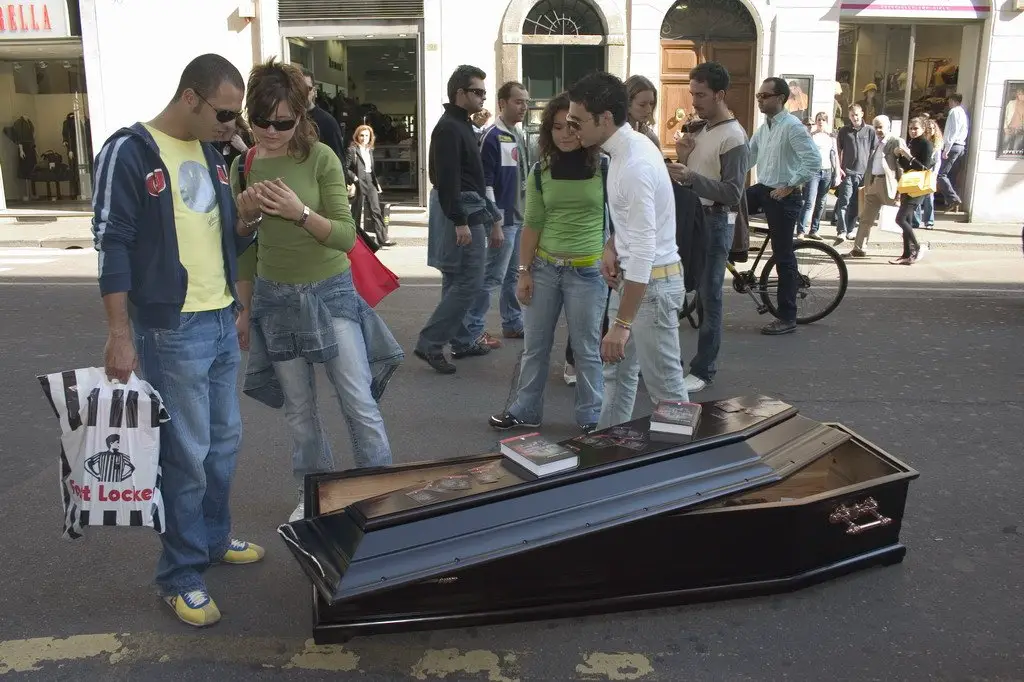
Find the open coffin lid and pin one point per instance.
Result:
(379, 529)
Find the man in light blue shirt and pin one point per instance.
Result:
(786, 159)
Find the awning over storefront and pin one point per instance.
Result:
(915, 9)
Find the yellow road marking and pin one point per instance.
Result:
(324, 657)
(22, 655)
(443, 662)
(620, 666)
(362, 655)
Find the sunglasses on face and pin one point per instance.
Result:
(479, 92)
(223, 115)
(279, 126)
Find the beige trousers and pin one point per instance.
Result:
(875, 197)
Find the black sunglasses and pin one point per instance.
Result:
(479, 92)
(279, 126)
(223, 115)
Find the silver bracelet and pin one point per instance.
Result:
(253, 223)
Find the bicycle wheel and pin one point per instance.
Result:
(821, 284)
(692, 310)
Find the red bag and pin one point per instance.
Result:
(373, 279)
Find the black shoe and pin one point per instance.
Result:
(390, 242)
(778, 327)
(470, 351)
(436, 360)
(507, 420)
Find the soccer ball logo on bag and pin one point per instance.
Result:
(111, 465)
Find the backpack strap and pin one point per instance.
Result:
(604, 185)
(536, 174)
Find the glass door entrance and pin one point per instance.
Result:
(549, 70)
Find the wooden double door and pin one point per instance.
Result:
(678, 57)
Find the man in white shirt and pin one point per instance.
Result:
(641, 260)
(954, 141)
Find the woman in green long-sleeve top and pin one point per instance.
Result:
(305, 307)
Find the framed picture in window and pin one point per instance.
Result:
(1011, 122)
(801, 95)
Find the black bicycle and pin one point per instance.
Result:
(823, 279)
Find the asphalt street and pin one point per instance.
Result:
(925, 363)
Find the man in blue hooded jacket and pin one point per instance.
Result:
(164, 225)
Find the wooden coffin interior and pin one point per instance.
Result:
(847, 465)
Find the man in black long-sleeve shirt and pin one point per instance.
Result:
(459, 216)
(330, 130)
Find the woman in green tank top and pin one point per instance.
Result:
(559, 258)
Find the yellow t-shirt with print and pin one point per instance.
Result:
(197, 222)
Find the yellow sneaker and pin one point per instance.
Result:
(195, 608)
(241, 552)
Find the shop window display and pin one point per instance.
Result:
(877, 70)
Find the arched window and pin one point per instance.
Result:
(709, 21)
(563, 18)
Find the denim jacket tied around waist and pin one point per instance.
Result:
(289, 321)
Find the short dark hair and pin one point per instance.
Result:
(461, 77)
(600, 92)
(956, 97)
(711, 74)
(113, 438)
(205, 74)
(505, 91)
(779, 86)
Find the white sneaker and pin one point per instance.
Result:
(569, 375)
(694, 383)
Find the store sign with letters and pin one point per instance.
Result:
(917, 9)
(27, 20)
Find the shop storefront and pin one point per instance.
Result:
(45, 148)
(366, 60)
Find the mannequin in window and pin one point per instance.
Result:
(23, 133)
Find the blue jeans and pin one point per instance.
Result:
(709, 337)
(653, 348)
(511, 312)
(460, 284)
(925, 213)
(814, 195)
(349, 374)
(582, 291)
(499, 264)
(781, 216)
(948, 168)
(195, 370)
(847, 208)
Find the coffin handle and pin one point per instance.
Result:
(849, 516)
(288, 533)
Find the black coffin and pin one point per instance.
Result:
(759, 500)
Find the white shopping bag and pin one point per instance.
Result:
(887, 219)
(110, 449)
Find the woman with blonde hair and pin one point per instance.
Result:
(305, 308)
(925, 215)
(364, 187)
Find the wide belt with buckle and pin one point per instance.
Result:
(577, 262)
(666, 271)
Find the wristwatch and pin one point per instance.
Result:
(301, 222)
(523, 268)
